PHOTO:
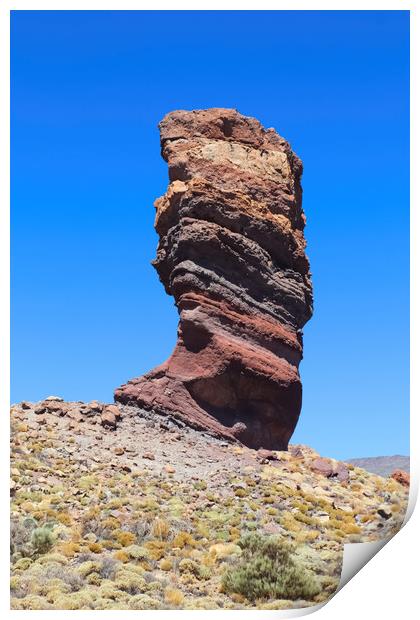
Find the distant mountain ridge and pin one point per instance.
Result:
(382, 465)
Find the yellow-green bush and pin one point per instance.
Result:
(189, 566)
(160, 529)
(94, 579)
(30, 602)
(88, 567)
(174, 597)
(129, 582)
(166, 564)
(182, 539)
(125, 538)
(144, 601)
(137, 553)
(121, 555)
(156, 549)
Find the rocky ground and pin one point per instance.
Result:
(113, 508)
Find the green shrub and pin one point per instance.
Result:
(205, 572)
(42, 539)
(267, 569)
(187, 565)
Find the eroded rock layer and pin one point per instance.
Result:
(232, 253)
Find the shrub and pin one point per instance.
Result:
(108, 568)
(109, 544)
(22, 564)
(64, 518)
(153, 585)
(203, 530)
(205, 572)
(289, 522)
(155, 548)
(307, 536)
(63, 574)
(110, 523)
(69, 549)
(92, 524)
(121, 555)
(57, 558)
(141, 529)
(88, 567)
(20, 536)
(182, 539)
(137, 553)
(174, 597)
(351, 528)
(143, 601)
(269, 500)
(135, 569)
(304, 518)
(267, 569)
(220, 551)
(94, 579)
(74, 600)
(129, 582)
(367, 518)
(125, 538)
(20, 587)
(235, 533)
(42, 539)
(160, 529)
(29, 602)
(189, 566)
(165, 564)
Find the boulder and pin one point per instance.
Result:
(232, 254)
(266, 455)
(402, 477)
(115, 410)
(330, 469)
(149, 455)
(108, 419)
(56, 406)
(323, 467)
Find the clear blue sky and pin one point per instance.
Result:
(88, 89)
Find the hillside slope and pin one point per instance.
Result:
(116, 508)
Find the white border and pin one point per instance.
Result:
(388, 585)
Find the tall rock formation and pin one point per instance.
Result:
(232, 253)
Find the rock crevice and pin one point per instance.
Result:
(232, 254)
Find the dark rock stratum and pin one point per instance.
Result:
(232, 254)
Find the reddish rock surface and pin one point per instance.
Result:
(402, 477)
(232, 253)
